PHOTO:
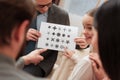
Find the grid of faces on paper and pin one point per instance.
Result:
(57, 37)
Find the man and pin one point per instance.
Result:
(15, 18)
(47, 12)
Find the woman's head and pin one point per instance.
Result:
(107, 22)
(88, 25)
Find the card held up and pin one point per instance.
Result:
(57, 37)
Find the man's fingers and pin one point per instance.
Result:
(38, 59)
(40, 51)
(35, 33)
(33, 37)
(41, 58)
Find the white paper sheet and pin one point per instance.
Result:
(57, 37)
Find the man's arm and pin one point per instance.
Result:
(33, 57)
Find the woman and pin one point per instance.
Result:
(107, 23)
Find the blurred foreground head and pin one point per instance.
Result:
(107, 22)
(15, 16)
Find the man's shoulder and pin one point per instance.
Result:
(16, 74)
(58, 9)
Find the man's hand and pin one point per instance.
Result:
(32, 34)
(34, 57)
